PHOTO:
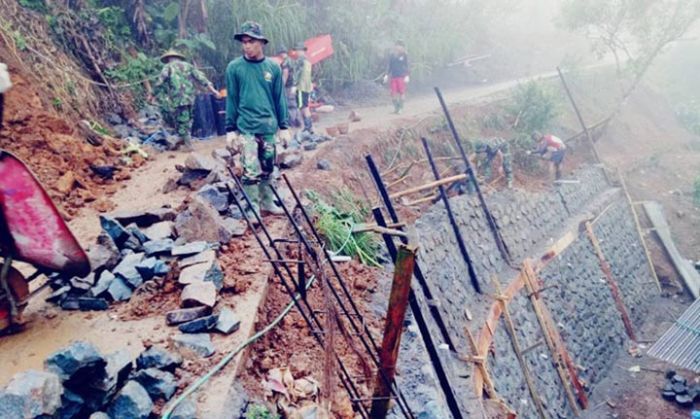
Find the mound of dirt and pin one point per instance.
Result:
(54, 150)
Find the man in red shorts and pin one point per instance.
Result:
(397, 75)
(552, 148)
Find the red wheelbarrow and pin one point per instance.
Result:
(32, 231)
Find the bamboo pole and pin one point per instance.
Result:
(639, 229)
(528, 279)
(510, 328)
(614, 288)
(429, 185)
(389, 352)
(479, 361)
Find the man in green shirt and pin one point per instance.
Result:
(303, 85)
(176, 88)
(256, 109)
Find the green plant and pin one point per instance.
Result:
(258, 411)
(20, 40)
(57, 103)
(133, 71)
(98, 128)
(115, 23)
(336, 222)
(533, 107)
(38, 5)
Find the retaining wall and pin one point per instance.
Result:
(576, 293)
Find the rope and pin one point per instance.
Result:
(225, 360)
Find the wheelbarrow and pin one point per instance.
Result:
(31, 231)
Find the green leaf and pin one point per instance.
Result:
(171, 12)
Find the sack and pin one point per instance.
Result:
(5, 82)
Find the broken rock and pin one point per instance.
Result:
(158, 247)
(126, 269)
(214, 197)
(200, 325)
(104, 254)
(132, 401)
(92, 304)
(76, 357)
(190, 248)
(196, 161)
(115, 230)
(158, 384)
(202, 222)
(199, 343)
(145, 218)
(207, 256)
(146, 268)
(185, 315)
(119, 290)
(203, 272)
(159, 231)
(157, 357)
(290, 158)
(198, 294)
(39, 392)
(227, 322)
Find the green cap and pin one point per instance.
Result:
(251, 29)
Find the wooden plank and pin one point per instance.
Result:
(612, 283)
(396, 314)
(430, 185)
(510, 328)
(552, 342)
(685, 269)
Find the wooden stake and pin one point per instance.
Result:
(488, 382)
(510, 328)
(421, 200)
(430, 185)
(614, 289)
(550, 340)
(389, 352)
(639, 229)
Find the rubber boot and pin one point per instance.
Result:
(187, 144)
(267, 200)
(400, 105)
(397, 107)
(253, 193)
(308, 125)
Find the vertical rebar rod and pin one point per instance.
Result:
(453, 222)
(505, 253)
(425, 287)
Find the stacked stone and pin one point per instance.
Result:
(677, 389)
(80, 382)
(591, 182)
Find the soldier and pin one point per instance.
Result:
(256, 109)
(176, 87)
(398, 75)
(303, 85)
(552, 148)
(486, 151)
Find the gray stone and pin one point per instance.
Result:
(78, 356)
(684, 400)
(12, 406)
(144, 218)
(196, 161)
(92, 304)
(323, 164)
(104, 254)
(202, 222)
(118, 290)
(158, 247)
(214, 197)
(135, 231)
(199, 343)
(290, 158)
(99, 415)
(71, 405)
(235, 227)
(227, 322)
(207, 256)
(115, 373)
(203, 324)
(185, 410)
(126, 269)
(59, 295)
(158, 384)
(159, 231)
(184, 315)
(102, 284)
(146, 268)
(115, 230)
(310, 146)
(81, 284)
(190, 248)
(203, 272)
(39, 391)
(158, 357)
(198, 293)
(132, 402)
(161, 268)
(70, 303)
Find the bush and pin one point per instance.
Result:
(133, 70)
(533, 108)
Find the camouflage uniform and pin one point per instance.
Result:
(487, 149)
(176, 88)
(258, 157)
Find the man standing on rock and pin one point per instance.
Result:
(397, 75)
(552, 148)
(176, 88)
(256, 109)
(303, 85)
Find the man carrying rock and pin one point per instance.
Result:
(176, 88)
(256, 109)
(398, 75)
(551, 148)
(303, 85)
(487, 150)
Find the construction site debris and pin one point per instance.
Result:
(158, 357)
(184, 315)
(201, 325)
(198, 294)
(227, 322)
(159, 384)
(199, 344)
(132, 401)
(33, 394)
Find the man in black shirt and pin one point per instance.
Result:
(397, 75)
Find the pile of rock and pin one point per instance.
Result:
(80, 382)
(134, 248)
(678, 390)
(147, 129)
(302, 141)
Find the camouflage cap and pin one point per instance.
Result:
(171, 53)
(251, 29)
